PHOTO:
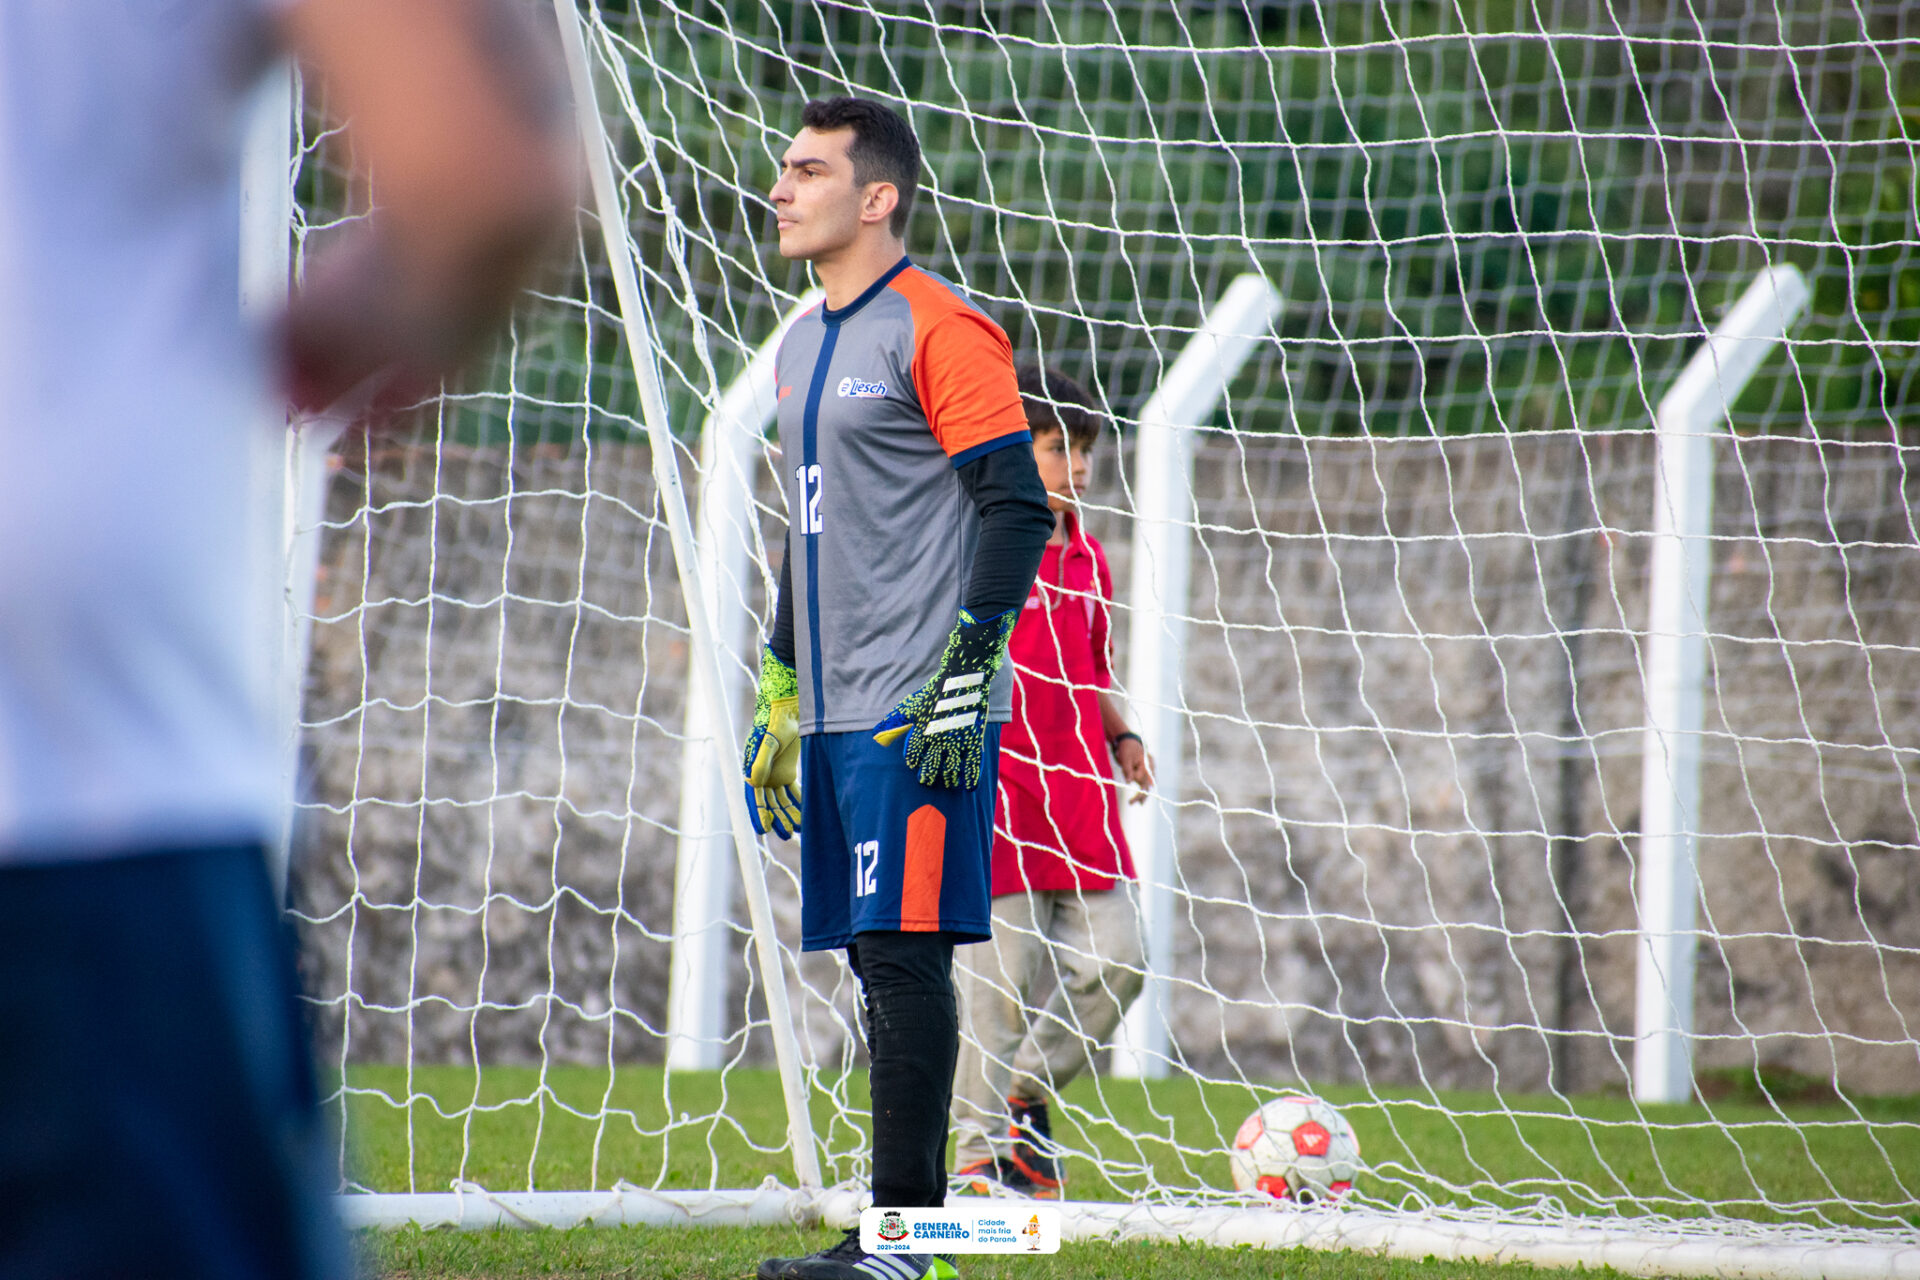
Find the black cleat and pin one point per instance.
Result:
(848, 1261)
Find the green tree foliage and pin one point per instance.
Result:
(1494, 216)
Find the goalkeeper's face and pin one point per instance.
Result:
(816, 204)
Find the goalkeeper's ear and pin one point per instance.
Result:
(460, 107)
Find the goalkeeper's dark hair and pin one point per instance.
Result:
(884, 148)
(1055, 402)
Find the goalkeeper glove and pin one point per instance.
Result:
(772, 759)
(945, 720)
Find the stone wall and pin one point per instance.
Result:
(1415, 757)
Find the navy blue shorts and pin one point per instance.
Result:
(878, 851)
(158, 1116)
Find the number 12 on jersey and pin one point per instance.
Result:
(809, 508)
(866, 868)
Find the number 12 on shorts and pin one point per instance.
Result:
(866, 868)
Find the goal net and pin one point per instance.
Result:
(1407, 678)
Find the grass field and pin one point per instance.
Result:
(672, 1253)
(1739, 1157)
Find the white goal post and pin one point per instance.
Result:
(1691, 412)
(1509, 493)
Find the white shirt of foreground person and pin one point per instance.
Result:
(129, 392)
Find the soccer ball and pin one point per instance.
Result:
(1296, 1148)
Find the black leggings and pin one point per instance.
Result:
(913, 1036)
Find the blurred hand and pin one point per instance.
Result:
(458, 109)
(1136, 766)
(358, 340)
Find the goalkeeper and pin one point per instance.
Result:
(918, 520)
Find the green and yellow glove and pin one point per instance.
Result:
(945, 720)
(772, 758)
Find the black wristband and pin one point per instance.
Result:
(1113, 743)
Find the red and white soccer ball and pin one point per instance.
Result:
(1296, 1148)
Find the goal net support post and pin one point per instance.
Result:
(1187, 397)
(1690, 415)
(266, 213)
(731, 441)
(289, 456)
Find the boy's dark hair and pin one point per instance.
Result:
(884, 146)
(1055, 402)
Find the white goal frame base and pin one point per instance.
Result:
(1758, 1252)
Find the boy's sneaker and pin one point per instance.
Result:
(1034, 1154)
(848, 1261)
(999, 1176)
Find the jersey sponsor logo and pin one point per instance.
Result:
(855, 389)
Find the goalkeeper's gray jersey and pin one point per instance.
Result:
(879, 403)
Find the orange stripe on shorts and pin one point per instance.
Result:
(921, 870)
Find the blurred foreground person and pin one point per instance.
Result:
(157, 1099)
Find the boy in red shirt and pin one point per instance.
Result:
(1061, 867)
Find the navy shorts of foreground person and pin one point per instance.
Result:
(158, 1116)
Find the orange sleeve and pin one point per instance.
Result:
(963, 372)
